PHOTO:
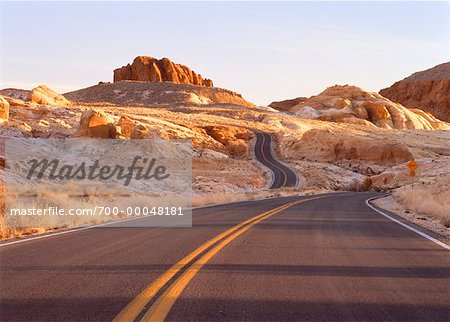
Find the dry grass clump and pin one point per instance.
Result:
(32, 225)
(9, 232)
(431, 200)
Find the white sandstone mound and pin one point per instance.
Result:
(46, 96)
(351, 104)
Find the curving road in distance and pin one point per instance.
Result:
(282, 176)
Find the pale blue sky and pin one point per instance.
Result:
(265, 50)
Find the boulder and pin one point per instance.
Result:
(4, 109)
(228, 134)
(96, 124)
(233, 139)
(17, 102)
(149, 69)
(46, 96)
(134, 129)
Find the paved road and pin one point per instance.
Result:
(282, 175)
(328, 258)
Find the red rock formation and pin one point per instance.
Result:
(149, 69)
(427, 90)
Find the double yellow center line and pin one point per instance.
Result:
(161, 307)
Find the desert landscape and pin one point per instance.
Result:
(229, 161)
(343, 139)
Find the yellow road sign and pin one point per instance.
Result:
(412, 165)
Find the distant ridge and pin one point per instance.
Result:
(428, 90)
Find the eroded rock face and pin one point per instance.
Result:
(351, 104)
(286, 105)
(96, 124)
(233, 138)
(427, 90)
(327, 146)
(4, 109)
(134, 129)
(149, 69)
(46, 96)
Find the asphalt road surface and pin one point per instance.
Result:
(315, 258)
(282, 175)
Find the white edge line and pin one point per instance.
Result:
(418, 232)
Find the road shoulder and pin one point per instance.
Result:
(422, 222)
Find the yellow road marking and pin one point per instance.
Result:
(132, 310)
(164, 303)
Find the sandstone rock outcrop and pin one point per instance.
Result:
(46, 96)
(96, 124)
(286, 105)
(233, 138)
(17, 102)
(351, 104)
(134, 129)
(149, 69)
(427, 90)
(327, 146)
(4, 109)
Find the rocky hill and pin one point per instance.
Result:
(164, 94)
(149, 69)
(17, 93)
(428, 90)
(351, 104)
